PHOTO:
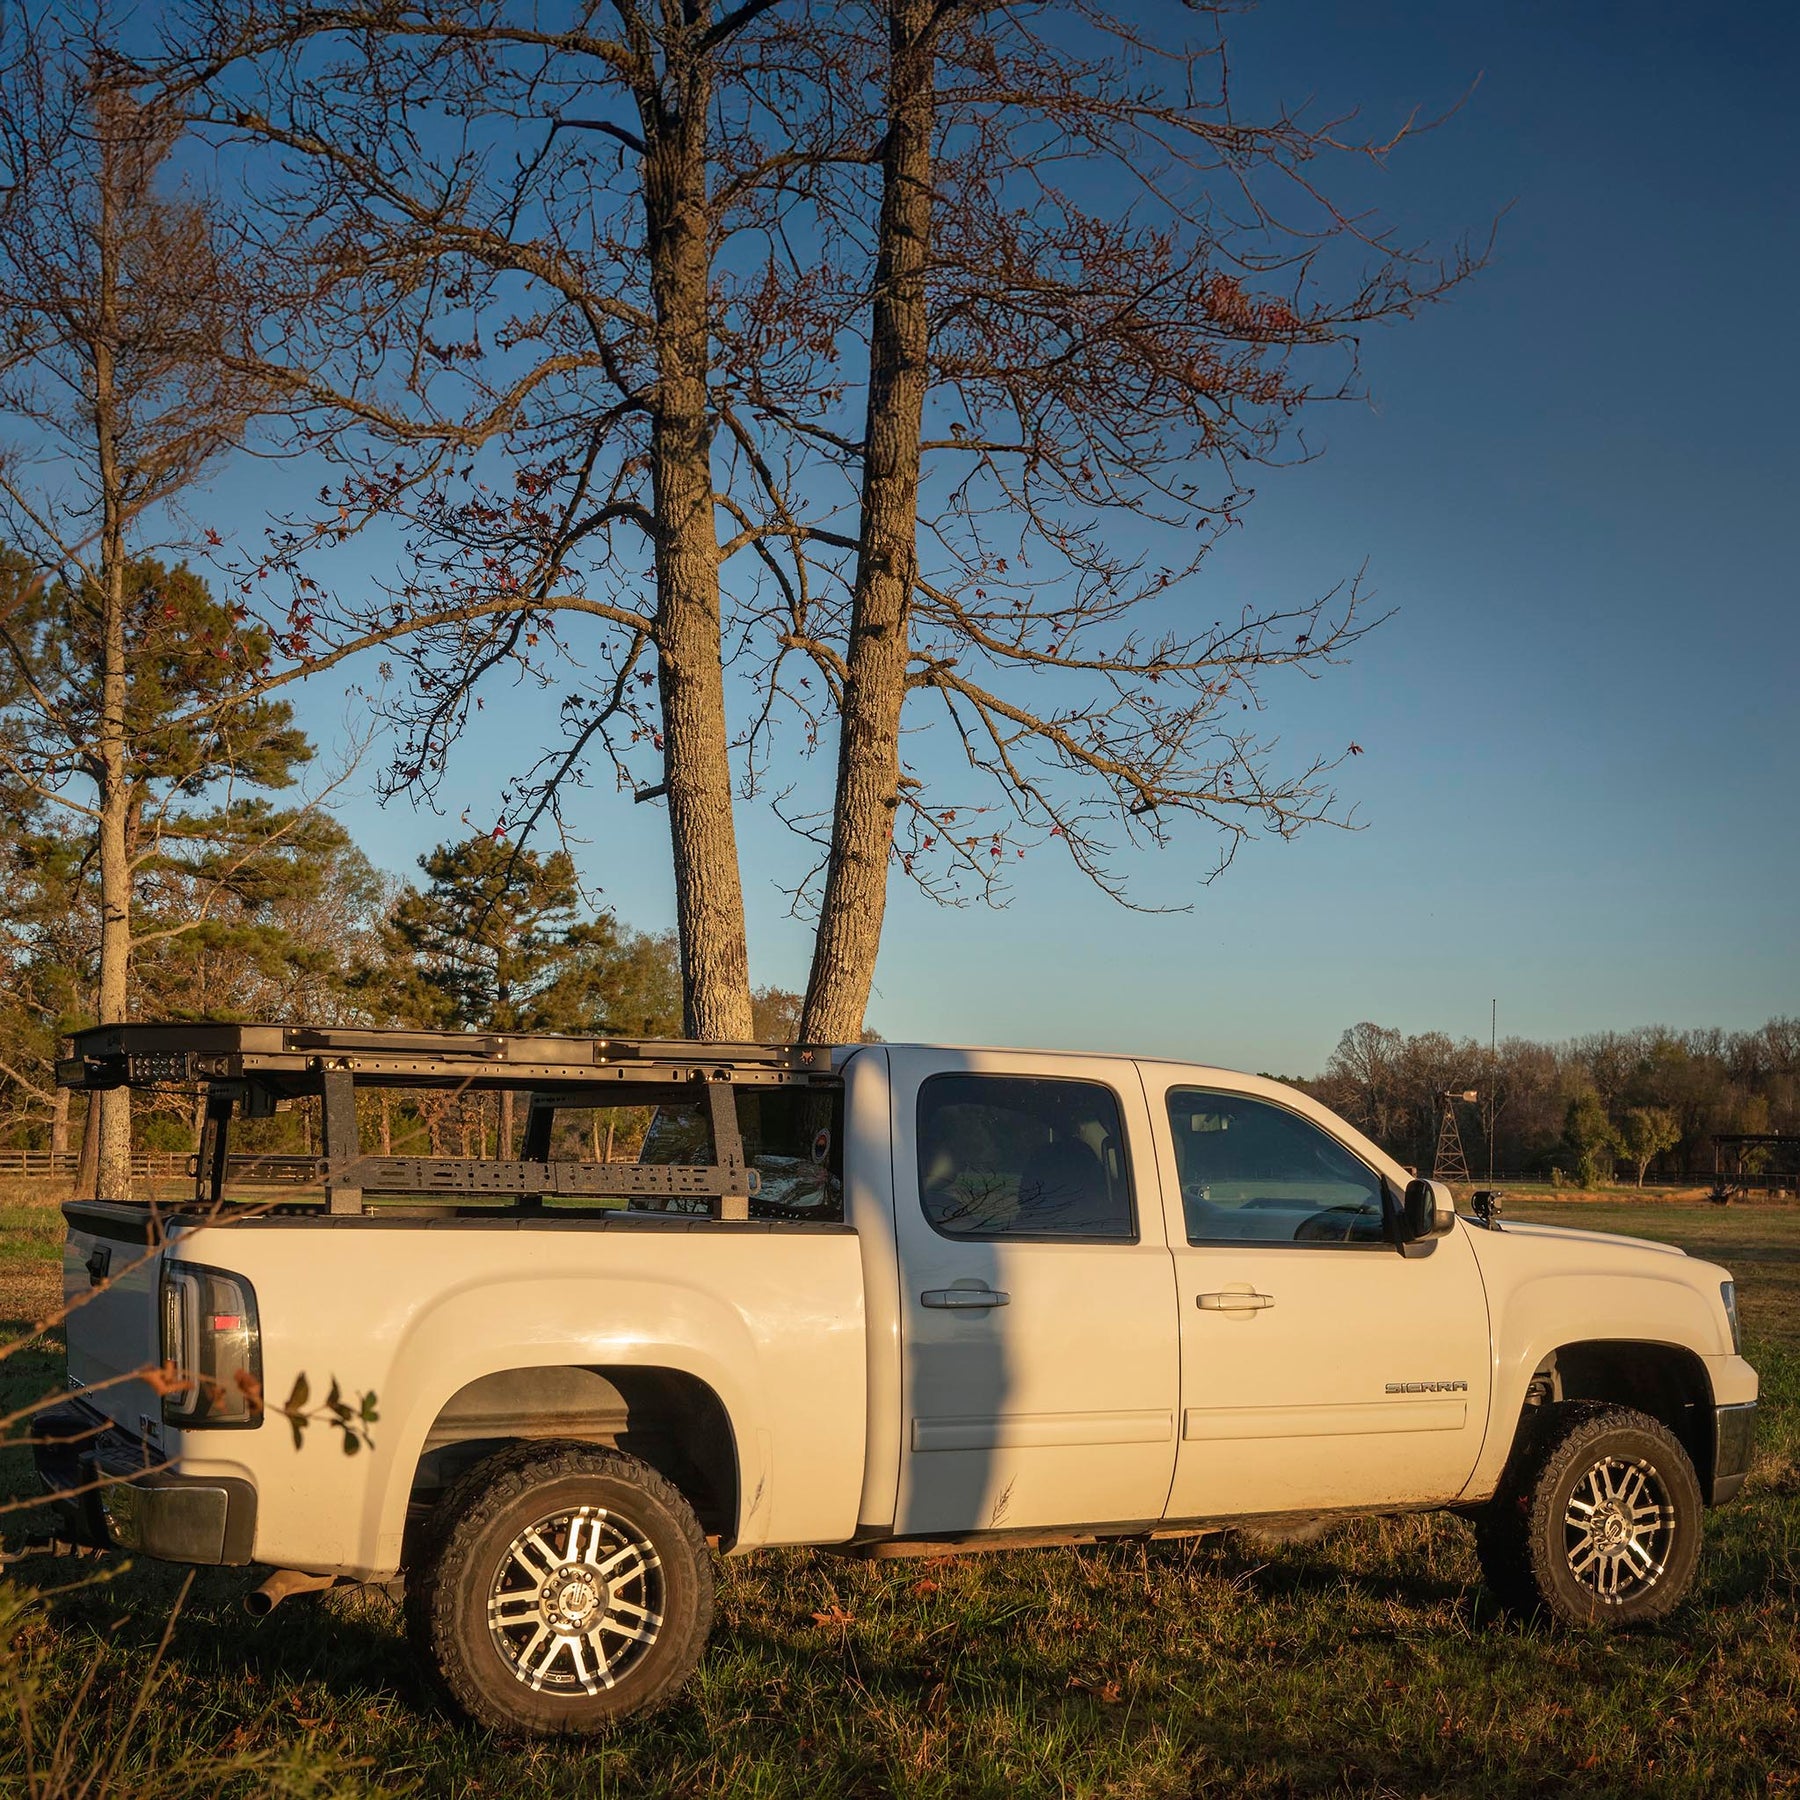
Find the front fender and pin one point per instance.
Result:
(1535, 1314)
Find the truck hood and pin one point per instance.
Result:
(1548, 1284)
(1519, 1253)
(1573, 1234)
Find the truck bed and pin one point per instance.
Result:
(766, 1315)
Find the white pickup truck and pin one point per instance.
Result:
(882, 1299)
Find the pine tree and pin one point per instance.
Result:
(235, 904)
(497, 940)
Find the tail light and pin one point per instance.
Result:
(211, 1347)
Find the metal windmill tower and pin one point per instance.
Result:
(1448, 1162)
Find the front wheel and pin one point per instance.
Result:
(564, 1587)
(1599, 1522)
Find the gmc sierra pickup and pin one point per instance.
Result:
(882, 1298)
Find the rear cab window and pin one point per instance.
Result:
(1012, 1156)
(793, 1139)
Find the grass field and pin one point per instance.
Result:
(1369, 1663)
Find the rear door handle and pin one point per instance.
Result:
(957, 1298)
(1234, 1302)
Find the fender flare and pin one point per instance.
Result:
(563, 1323)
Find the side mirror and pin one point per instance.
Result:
(1427, 1210)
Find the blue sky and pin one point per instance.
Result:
(1573, 483)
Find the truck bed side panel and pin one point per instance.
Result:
(770, 1320)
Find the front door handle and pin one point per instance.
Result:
(1238, 1302)
(956, 1298)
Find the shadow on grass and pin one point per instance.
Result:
(29, 1375)
(38, 1368)
(351, 1651)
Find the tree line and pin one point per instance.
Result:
(753, 382)
(1636, 1103)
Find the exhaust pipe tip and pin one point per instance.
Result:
(262, 1601)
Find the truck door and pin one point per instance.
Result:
(1319, 1367)
(1038, 1319)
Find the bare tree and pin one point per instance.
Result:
(526, 220)
(1098, 296)
(1366, 1078)
(910, 356)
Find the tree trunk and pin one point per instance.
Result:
(87, 1170)
(868, 775)
(115, 957)
(709, 899)
(59, 1123)
(113, 777)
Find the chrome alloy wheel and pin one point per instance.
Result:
(1618, 1529)
(576, 1618)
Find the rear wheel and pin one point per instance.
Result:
(1598, 1523)
(564, 1587)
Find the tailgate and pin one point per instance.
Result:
(112, 1261)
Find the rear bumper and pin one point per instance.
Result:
(109, 1491)
(1734, 1444)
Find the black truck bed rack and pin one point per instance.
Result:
(261, 1069)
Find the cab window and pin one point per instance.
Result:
(1254, 1172)
(1015, 1156)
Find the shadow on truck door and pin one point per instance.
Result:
(1040, 1363)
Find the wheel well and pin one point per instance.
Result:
(672, 1420)
(1664, 1380)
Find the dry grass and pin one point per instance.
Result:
(1370, 1663)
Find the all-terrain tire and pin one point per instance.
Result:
(559, 1588)
(1597, 1522)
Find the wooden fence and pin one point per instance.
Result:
(163, 1165)
(148, 1165)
